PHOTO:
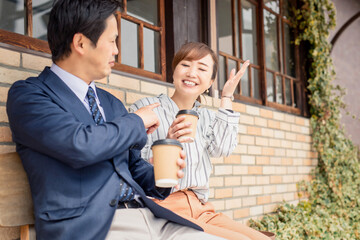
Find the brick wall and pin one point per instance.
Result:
(273, 154)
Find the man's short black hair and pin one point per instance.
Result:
(69, 17)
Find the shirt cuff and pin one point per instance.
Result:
(227, 116)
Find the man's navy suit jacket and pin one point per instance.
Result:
(73, 165)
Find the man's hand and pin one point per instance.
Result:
(182, 164)
(151, 121)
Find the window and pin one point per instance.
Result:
(142, 40)
(24, 23)
(141, 32)
(259, 31)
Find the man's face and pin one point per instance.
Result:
(101, 58)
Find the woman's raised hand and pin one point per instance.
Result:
(233, 81)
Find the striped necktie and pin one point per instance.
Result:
(126, 192)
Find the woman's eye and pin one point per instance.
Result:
(185, 65)
(203, 70)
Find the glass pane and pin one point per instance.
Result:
(255, 83)
(270, 86)
(288, 91)
(41, 12)
(224, 25)
(245, 86)
(295, 95)
(151, 50)
(129, 43)
(279, 94)
(222, 72)
(271, 41)
(145, 10)
(12, 16)
(286, 8)
(249, 32)
(289, 51)
(272, 4)
(237, 30)
(231, 65)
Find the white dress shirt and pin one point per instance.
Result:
(78, 87)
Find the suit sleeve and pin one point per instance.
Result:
(143, 174)
(146, 152)
(39, 123)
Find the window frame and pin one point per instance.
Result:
(28, 42)
(261, 66)
(141, 24)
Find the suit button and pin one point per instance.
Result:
(113, 203)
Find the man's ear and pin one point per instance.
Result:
(78, 43)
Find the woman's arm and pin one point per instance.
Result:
(222, 132)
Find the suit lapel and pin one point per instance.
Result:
(65, 97)
(105, 104)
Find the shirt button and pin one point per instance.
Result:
(113, 203)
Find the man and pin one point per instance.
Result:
(79, 145)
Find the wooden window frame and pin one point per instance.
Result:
(28, 42)
(141, 24)
(281, 21)
(261, 66)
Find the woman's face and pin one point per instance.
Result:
(193, 77)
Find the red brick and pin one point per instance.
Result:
(223, 193)
(266, 113)
(254, 131)
(235, 159)
(238, 107)
(5, 134)
(117, 93)
(255, 170)
(261, 160)
(241, 213)
(275, 179)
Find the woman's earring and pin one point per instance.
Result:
(207, 91)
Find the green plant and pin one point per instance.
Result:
(332, 210)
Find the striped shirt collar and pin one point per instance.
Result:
(165, 100)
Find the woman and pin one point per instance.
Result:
(194, 70)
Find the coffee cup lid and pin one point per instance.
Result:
(167, 142)
(187, 111)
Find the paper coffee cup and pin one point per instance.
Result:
(190, 116)
(166, 152)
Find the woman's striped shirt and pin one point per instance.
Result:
(215, 137)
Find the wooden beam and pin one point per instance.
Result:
(24, 232)
(28, 18)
